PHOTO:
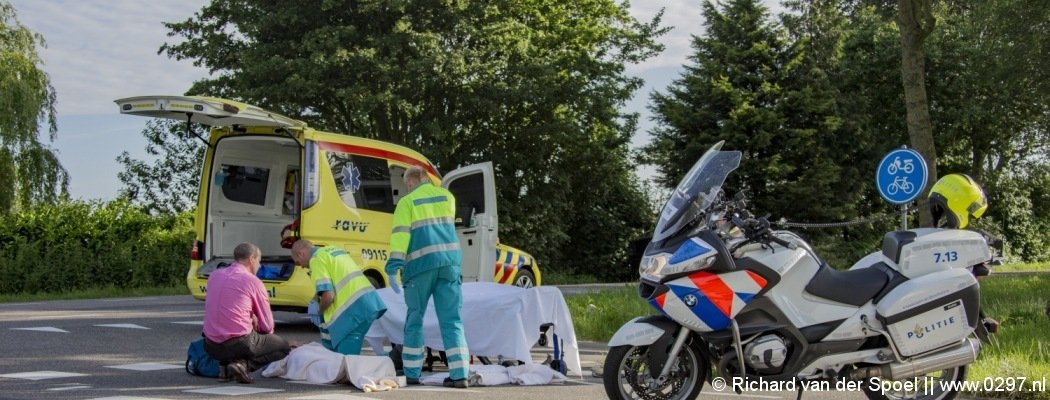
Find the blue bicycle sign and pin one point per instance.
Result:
(901, 176)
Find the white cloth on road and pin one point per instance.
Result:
(490, 375)
(315, 364)
(533, 374)
(498, 320)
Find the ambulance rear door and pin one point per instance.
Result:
(208, 111)
(477, 222)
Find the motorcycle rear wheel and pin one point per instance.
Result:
(627, 375)
(926, 387)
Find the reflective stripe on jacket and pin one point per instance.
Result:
(356, 301)
(424, 232)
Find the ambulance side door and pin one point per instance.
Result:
(477, 222)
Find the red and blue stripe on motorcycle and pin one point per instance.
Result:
(707, 302)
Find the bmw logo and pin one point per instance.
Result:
(689, 300)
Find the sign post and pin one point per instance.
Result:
(901, 177)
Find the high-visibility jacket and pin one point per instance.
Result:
(356, 300)
(424, 232)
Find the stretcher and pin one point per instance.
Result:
(499, 321)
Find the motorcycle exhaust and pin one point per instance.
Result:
(965, 353)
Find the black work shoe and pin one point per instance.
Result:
(456, 383)
(223, 375)
(413, 381)
(237, 370)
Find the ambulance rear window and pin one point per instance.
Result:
(245, 184)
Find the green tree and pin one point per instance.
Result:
(27, 101)
(536, 86)
(992, 95)
(168, 184)
(765, 96)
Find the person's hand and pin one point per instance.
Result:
(313, 310)
(393, 267)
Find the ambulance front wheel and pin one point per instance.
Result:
(524, 279)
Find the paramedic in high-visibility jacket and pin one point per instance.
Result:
(425, 250)
(348, 301)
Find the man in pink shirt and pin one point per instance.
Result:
(238, 324)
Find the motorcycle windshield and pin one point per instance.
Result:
(697, 191)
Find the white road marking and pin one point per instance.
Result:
(70, 388)
(126, 326)
(127, 398)
(42, 329)
(582, 382)
(146, 366)
(39, 375)
(332, 396)
(437, 389)
(189, 322)
(232, 390)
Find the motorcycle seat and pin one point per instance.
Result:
(854, 287)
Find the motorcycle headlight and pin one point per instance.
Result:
(694, 255)
(652, 265)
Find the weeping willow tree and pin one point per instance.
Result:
(29, 169)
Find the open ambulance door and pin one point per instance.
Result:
(477, 222)
(209, 111)
(221, 233)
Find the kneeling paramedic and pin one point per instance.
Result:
(425, 250)
(348, 302)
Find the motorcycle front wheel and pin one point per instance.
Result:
(627, 375)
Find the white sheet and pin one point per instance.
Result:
(316, 364)
(499, 320)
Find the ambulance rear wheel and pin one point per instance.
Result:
(376, 283)
(524, 279)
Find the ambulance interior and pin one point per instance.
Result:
(253, 195)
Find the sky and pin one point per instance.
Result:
(100, 51)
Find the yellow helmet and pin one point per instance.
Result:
(957, 198)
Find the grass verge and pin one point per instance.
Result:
(1019, 303)
(1021, 349)
(1022, 267)
(597, 316)
(98, 293)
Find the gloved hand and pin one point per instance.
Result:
(393, 267)
(313, 310)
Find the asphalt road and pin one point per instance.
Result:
(135, 348)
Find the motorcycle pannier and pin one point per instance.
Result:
(931, 311)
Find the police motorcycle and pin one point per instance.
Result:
(742, 303)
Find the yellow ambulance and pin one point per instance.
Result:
(267, 179)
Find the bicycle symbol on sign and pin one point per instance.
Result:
(907, 167)
(900, 183)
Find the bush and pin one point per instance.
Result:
(83, 245)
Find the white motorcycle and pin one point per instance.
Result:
(755, 305)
